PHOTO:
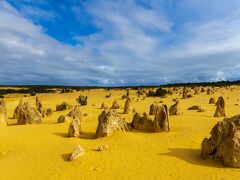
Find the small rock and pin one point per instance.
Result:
(77, 152)
(103, 147)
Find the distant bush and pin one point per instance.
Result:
(160, 92)
(82, 100)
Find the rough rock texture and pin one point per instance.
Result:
(62, 119)
(174, 109)
(16, 111)
(224, 143)
(220, 109)
(63, 106)
(144, 123)
(38, 104)
(76, 113)
(212, 101)
(161, 121)
(153, 109)
(185, 93)
(109, 122)
(3, 113)
(77, 152)
(128, 106)
(115, 105)
(103, 147)
(74, 129)
(28, 115)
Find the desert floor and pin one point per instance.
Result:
(42, 151)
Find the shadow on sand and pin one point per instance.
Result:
(66, 156)
(84, 135)
(192, 156)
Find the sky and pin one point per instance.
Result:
(118, 42)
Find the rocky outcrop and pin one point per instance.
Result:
(212, 101)
(109, 122)
(142, 123)
(153, 109)
(39, 104)
(185, 93)
(115, 105)
(145, 123)
(28, 115)
(224, 143)
(16, 111)
(3, 113)
(220, 109)
(174, 109)
(128, 106)
(74, 129)
(161, 120)
(62, 119)
(76, 113)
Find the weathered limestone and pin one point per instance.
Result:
(185, 93)
(145, 123)
(76, 113)
(220, 109)
(161, 121)
(103, 147)
(224, 143)
(38, 104)
(28, 115)
(62, 119)
(128, 106)
(115, 105)
(174, 109)
(16, 111)
(77, 152)
(74, 129)
(153, 109)
(109, 122)
(3, 113)
(212, 101)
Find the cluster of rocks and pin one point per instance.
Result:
(25, 114)
(145, 123)
(224, 143)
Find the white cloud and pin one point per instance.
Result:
(134, 45)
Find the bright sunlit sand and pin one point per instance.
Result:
(42, 151)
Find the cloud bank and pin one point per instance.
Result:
(125, 42)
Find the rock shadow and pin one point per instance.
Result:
(192, 156)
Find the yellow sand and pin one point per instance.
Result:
(42, 151)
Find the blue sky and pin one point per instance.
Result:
(118, 42)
